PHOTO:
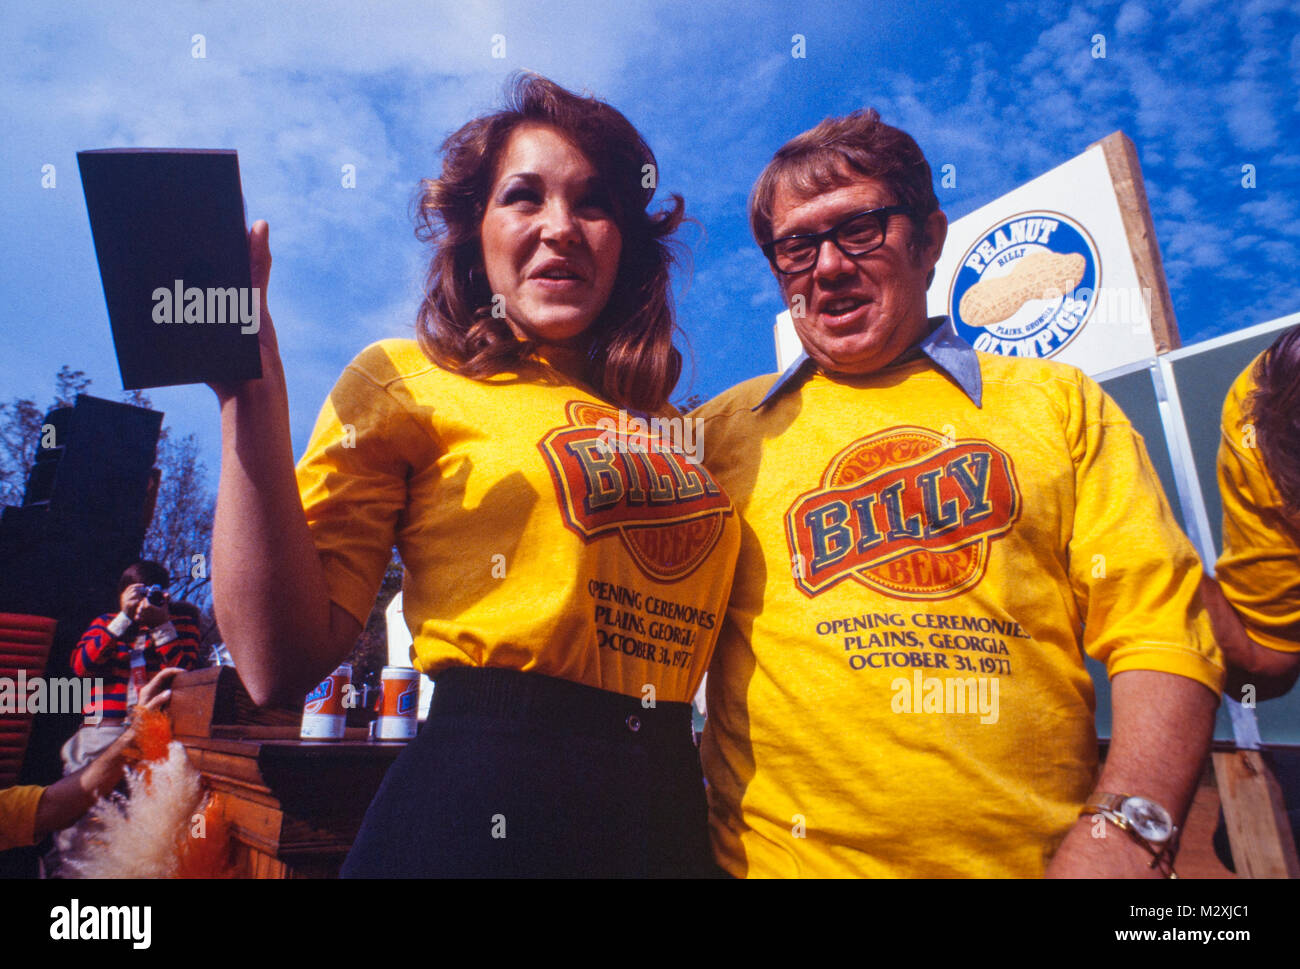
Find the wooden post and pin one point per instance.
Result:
(1258, 828)
(1126, 175)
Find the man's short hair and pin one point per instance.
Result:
(143, 573)
(832, 154)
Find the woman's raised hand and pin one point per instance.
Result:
(259, 264)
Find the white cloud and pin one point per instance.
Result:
(303, 88)
(1193, 9)
(1276, 212)
(1199, 94)
(1132, 19)
(733, 303)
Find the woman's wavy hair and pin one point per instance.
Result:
(1275, 411)
(631, 360)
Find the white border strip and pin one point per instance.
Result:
(1188, 482)
(1245, 726)
(1236, 336)
(1146, 363)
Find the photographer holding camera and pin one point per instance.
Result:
(123, 651)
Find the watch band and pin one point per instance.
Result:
(1109, 806)
(1107, 802)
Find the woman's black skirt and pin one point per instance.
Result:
(520, 775)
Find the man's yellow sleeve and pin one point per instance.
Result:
(1134, 573)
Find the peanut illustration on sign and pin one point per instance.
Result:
(1039, 275)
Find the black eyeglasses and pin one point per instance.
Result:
(855, 236)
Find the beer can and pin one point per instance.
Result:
(323, 715)
(400, 706)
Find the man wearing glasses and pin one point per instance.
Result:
(933, 537)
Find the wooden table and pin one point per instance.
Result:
(294, 806)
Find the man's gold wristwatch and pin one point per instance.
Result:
(1143, 820)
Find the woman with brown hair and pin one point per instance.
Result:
(562, 581)
(1254, 599)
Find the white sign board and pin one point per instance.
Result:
(788, 346)
(1046, 271)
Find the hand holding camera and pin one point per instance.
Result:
(146, 604)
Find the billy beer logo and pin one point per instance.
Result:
(318, 697)
(905, 512)
(1027, 286)
(668, 511)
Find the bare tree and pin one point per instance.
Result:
(20, 435)
(67, 384)
(180, 534)
(21, 424)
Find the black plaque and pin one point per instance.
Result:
(172, 246)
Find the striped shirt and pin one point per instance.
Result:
(104, 652)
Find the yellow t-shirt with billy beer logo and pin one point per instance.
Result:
(541, 529)
(1259, 569)
(899, 687)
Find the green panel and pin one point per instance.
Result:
(1102, 685)
(1203, 381)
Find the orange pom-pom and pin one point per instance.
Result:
(153, 734)
(205, 845)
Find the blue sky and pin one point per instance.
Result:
(1003, 93)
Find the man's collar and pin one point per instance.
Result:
(943, 345)
(955, 357)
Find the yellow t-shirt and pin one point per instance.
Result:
(899, 687)
(536, 534)
(1259, 570)
(18, 816)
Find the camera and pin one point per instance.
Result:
(156, 595)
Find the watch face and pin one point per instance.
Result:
(1148, 818)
